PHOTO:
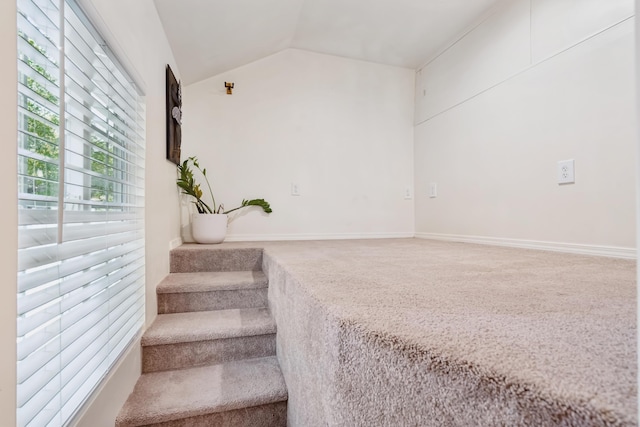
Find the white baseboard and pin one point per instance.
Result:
(606, 251)
(175, 243)
(311, 236)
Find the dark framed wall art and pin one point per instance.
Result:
(174, 117)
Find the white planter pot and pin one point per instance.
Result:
(208, 228)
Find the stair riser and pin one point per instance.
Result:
(185, 355)
(216, 300)
(190, 261)
(270, 415)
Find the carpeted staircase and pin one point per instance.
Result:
(209, 357)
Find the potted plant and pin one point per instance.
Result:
(209, 224)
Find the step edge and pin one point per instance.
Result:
(127, 416)
(174, 416)
(215, 273)
(170, 289)
(220, 312)
(173, 280)
(182, 340)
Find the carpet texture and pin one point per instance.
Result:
(197, 394)
(203, 291)
(212, 300)
(184, 327)
(423, 333)
(182, 340)
(209, 281)
(273, 414)
(215, 259)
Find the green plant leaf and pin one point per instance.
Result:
(188, 185)
(254, 202)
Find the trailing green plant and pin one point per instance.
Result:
(187, 183)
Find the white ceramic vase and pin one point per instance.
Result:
(208, 228)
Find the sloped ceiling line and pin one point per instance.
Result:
(209, 37)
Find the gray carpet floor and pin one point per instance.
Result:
(523, 331)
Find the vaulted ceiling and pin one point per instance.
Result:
(209, 37)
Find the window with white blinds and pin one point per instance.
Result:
(81, 201)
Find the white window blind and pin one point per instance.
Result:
(81, 205)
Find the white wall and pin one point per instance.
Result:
(339, 128)
(8, 214)
(539, 81)
(134, 32)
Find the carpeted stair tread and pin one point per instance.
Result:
(212, 281)
(178, 394)
(208, 325)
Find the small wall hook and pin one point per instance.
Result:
(229, 87)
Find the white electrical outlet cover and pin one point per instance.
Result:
(566, 172)
(408, 194)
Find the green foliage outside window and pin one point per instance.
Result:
(42, 140)
(103, 163)
(42, 127)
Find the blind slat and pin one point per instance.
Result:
(82, 133)
(43, 406)
(80, 27)
(29, 30)
(37, 216)
(40, 23)
(81, 87)
(33, 319)
(87, 231)
(78, 287)
(46, 235)
(25, 70)
(100, 74)
(41, 256)
(24, 113)
(74, 376)
(34, 383)
(125, 175)
(80, 108)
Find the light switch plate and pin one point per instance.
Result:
(433, 190)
